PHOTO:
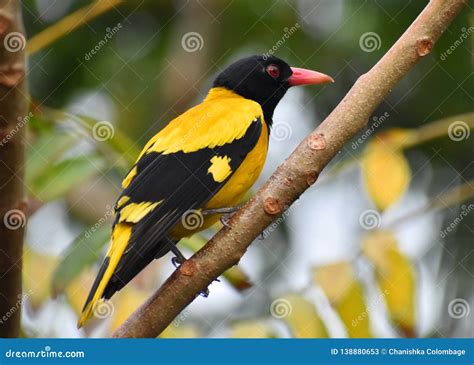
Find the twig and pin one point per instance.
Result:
(69, 23)
(439, 129)
(425, 133)
(13, 110)
(457, 195)
(294, 176)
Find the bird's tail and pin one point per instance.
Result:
(120, 237)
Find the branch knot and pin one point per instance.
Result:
(188, 268)
(271, 206)
(12, 75)
(424, 46)
(316, 142)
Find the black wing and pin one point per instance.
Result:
(180, 181)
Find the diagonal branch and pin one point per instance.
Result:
(69, 23)
(294, 176)
(13, 118)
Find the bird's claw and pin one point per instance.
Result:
(225, 219)
(225, 211)
(177, 261)
(204, 293)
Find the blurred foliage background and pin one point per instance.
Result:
(381, 246)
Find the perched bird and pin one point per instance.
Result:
(203, 162)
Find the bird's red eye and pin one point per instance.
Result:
(273, 71)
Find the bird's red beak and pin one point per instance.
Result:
(302, 76)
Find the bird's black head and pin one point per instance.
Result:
(265, 79)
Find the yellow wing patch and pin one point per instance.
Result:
(220, 168)
(221, 118)
(122, 201)
(134, 212)
(120, 237)
(126, 182)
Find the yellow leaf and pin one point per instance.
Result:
(300, 316)
(37, 272)
(396, 278)
(385, 169)
(345, 294)
(181, 331)
(251, 329)
(124, 303)
(78, 289)
(237, 278)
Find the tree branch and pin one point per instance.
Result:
(294, 176)
(13, 113)
(69, 23)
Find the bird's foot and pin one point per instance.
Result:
(204, 293)
(177, 261)
(179, 258)
(225, 210)
(226, 214)
(225, 219)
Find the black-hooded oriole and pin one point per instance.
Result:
(205, 159)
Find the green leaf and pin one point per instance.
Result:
(46, 151)
(82, 253)
(118, 141)
(58, 179)
(38, 124)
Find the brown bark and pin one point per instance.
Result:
(294, 176)
(13, 111)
